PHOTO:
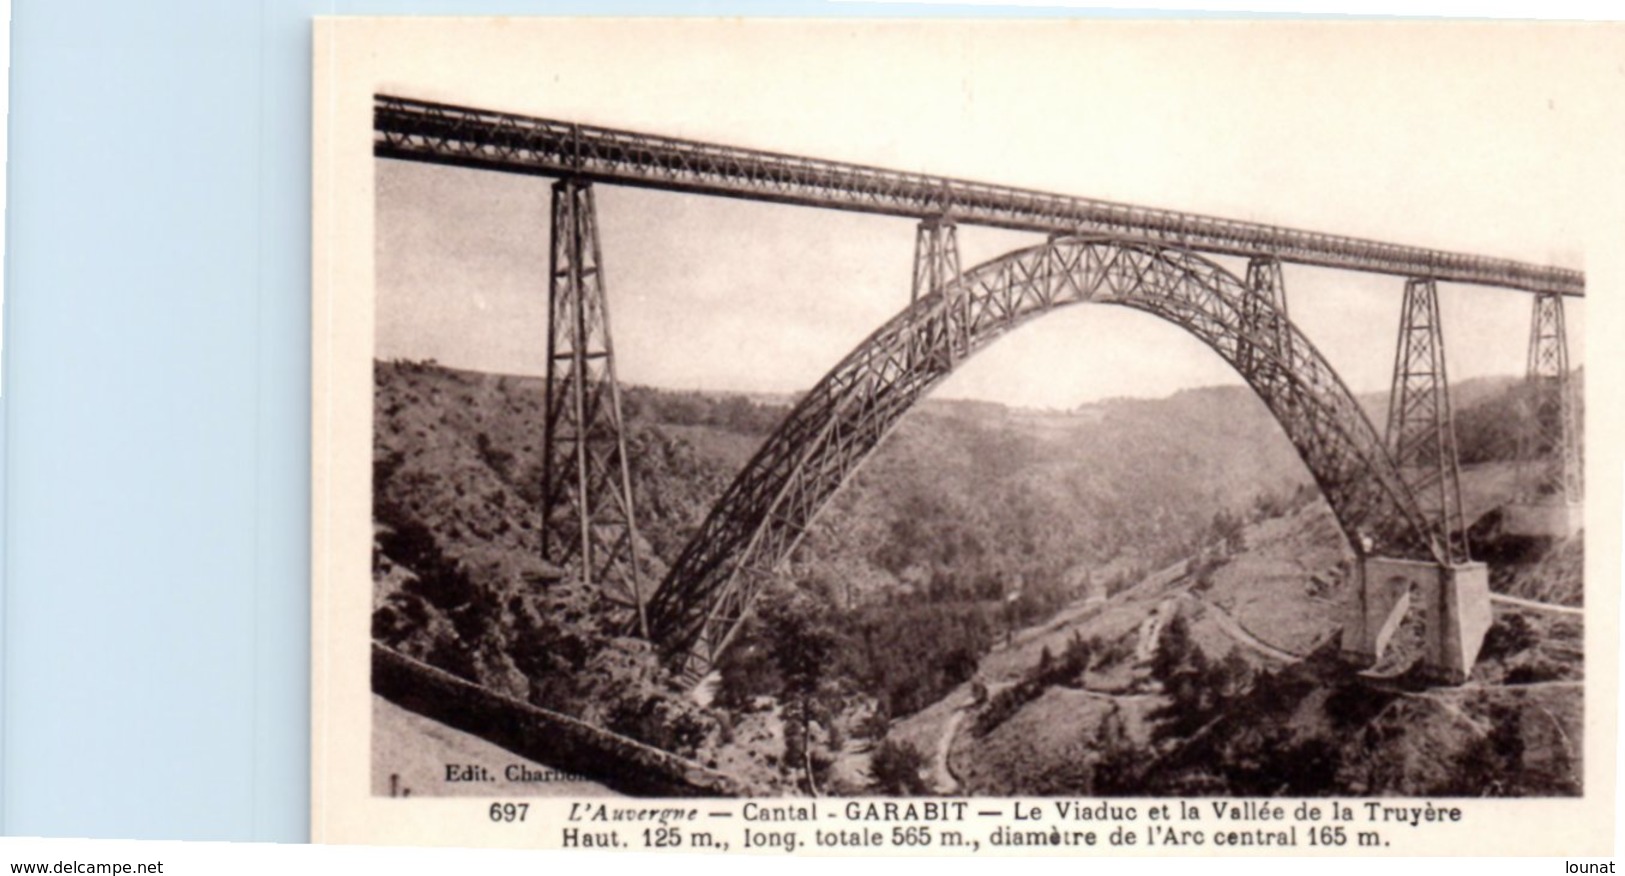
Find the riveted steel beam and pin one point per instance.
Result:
(762, 516)
(417, 130)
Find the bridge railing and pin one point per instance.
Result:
(418, 130)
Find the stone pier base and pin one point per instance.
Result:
(1556, 520)
(1455, 606)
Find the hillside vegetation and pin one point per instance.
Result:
(1226, 681)
(970, 523)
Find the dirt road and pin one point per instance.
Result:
(1239, 633)
(1536, 606)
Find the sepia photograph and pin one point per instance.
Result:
(1081, 426)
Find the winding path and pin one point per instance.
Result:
(1240, 634)
(942, 778)
(1537, 606)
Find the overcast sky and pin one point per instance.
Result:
(1450, 139)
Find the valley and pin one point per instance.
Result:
(1139, 597)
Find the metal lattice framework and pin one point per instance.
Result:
(1555, 456)
(1421, 432)
(438, 133)
(1258, 310)
(766, 511)
(936, 264)
(1104, 251)
(936, 257)
(587, 518)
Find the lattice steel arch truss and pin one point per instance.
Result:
(766, 511)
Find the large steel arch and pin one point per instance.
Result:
(765, 512)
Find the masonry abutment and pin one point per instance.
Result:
(1454, 602)
(1451, 592)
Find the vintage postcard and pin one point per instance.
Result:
(711, 453)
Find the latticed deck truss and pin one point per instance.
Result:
(417, 130)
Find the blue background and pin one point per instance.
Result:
(154, 636)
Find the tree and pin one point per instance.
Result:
(747, 670)
(1230, 530)
(1175, 650)
(1118, 759)
(896, 768)
(1190, 680)
(804, 644)
(624, 688)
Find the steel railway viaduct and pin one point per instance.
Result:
(1395, 494)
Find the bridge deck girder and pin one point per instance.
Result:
(437, 133)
